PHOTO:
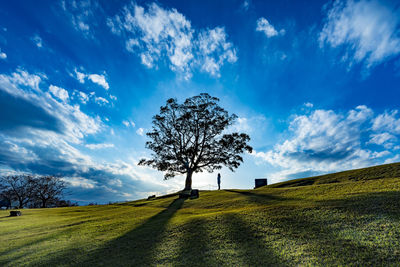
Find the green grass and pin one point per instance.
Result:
(354, 220)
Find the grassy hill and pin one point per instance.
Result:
(347, 218)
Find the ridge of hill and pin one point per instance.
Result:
(375, 172)
(352, 221)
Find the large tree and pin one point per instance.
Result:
(18, 187)
(47, 190)
(188, 138)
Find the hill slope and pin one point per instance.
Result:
(348, 222)
(370, 173)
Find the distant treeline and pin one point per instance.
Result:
(29, 191)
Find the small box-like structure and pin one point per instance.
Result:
(260, 182)
(194, 194)
(151, 197)
(15, 213)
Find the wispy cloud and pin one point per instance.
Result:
(59, 92)
(37, 40)
(264, 26)
(81, 14)
(99, 79)
(128, 123)
(101, 100)
(99, 146)
(140, 131)
(83, 97)
(158, 33)
(367, 30)
(2, 55)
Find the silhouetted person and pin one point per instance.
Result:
(219, 181)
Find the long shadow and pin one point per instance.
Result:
(376, 204)
(251, 248)
(135, 248)
(258, 198)
(196, 247)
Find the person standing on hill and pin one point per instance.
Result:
(219, 181)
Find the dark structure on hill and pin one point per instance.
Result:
(260, 182)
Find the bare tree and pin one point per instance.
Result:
(18, 187)
(188, 138)
(6, 196)
(47, 189)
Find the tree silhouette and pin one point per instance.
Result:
(18, 187)
(189, 138)
(48, 189)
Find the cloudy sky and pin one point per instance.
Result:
(315, 84)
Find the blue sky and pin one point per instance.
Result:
(315, 84)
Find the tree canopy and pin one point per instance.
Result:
(35, 191)
(191, 137)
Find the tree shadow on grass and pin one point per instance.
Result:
(135, 248)
(223, 240)
(321, 243)
(258, 198)
(195, 246)
(251, 249)
(317, 231)
(376, 204)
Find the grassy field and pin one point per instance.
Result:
(349, 218)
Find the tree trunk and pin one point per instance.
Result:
(188, 183)
(20, 203)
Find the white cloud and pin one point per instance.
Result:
(37, 40)
(387, 122)
(157, 33)
(21, 153)
(83, 97)
(81, 14)
(131, 44)
(80, 182)
(99, 146)
(321, 142)
(100, 80)
(80, 76)
(215, 50)
(21, 77)
(116, 182)
(264, 26)
(59, 92)
(140, 131)
(101, 100)
(76, 124)
(128, 123)
(95, 78)
(2, 55)
(383, 139)
(309, 105)
(368, 30)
